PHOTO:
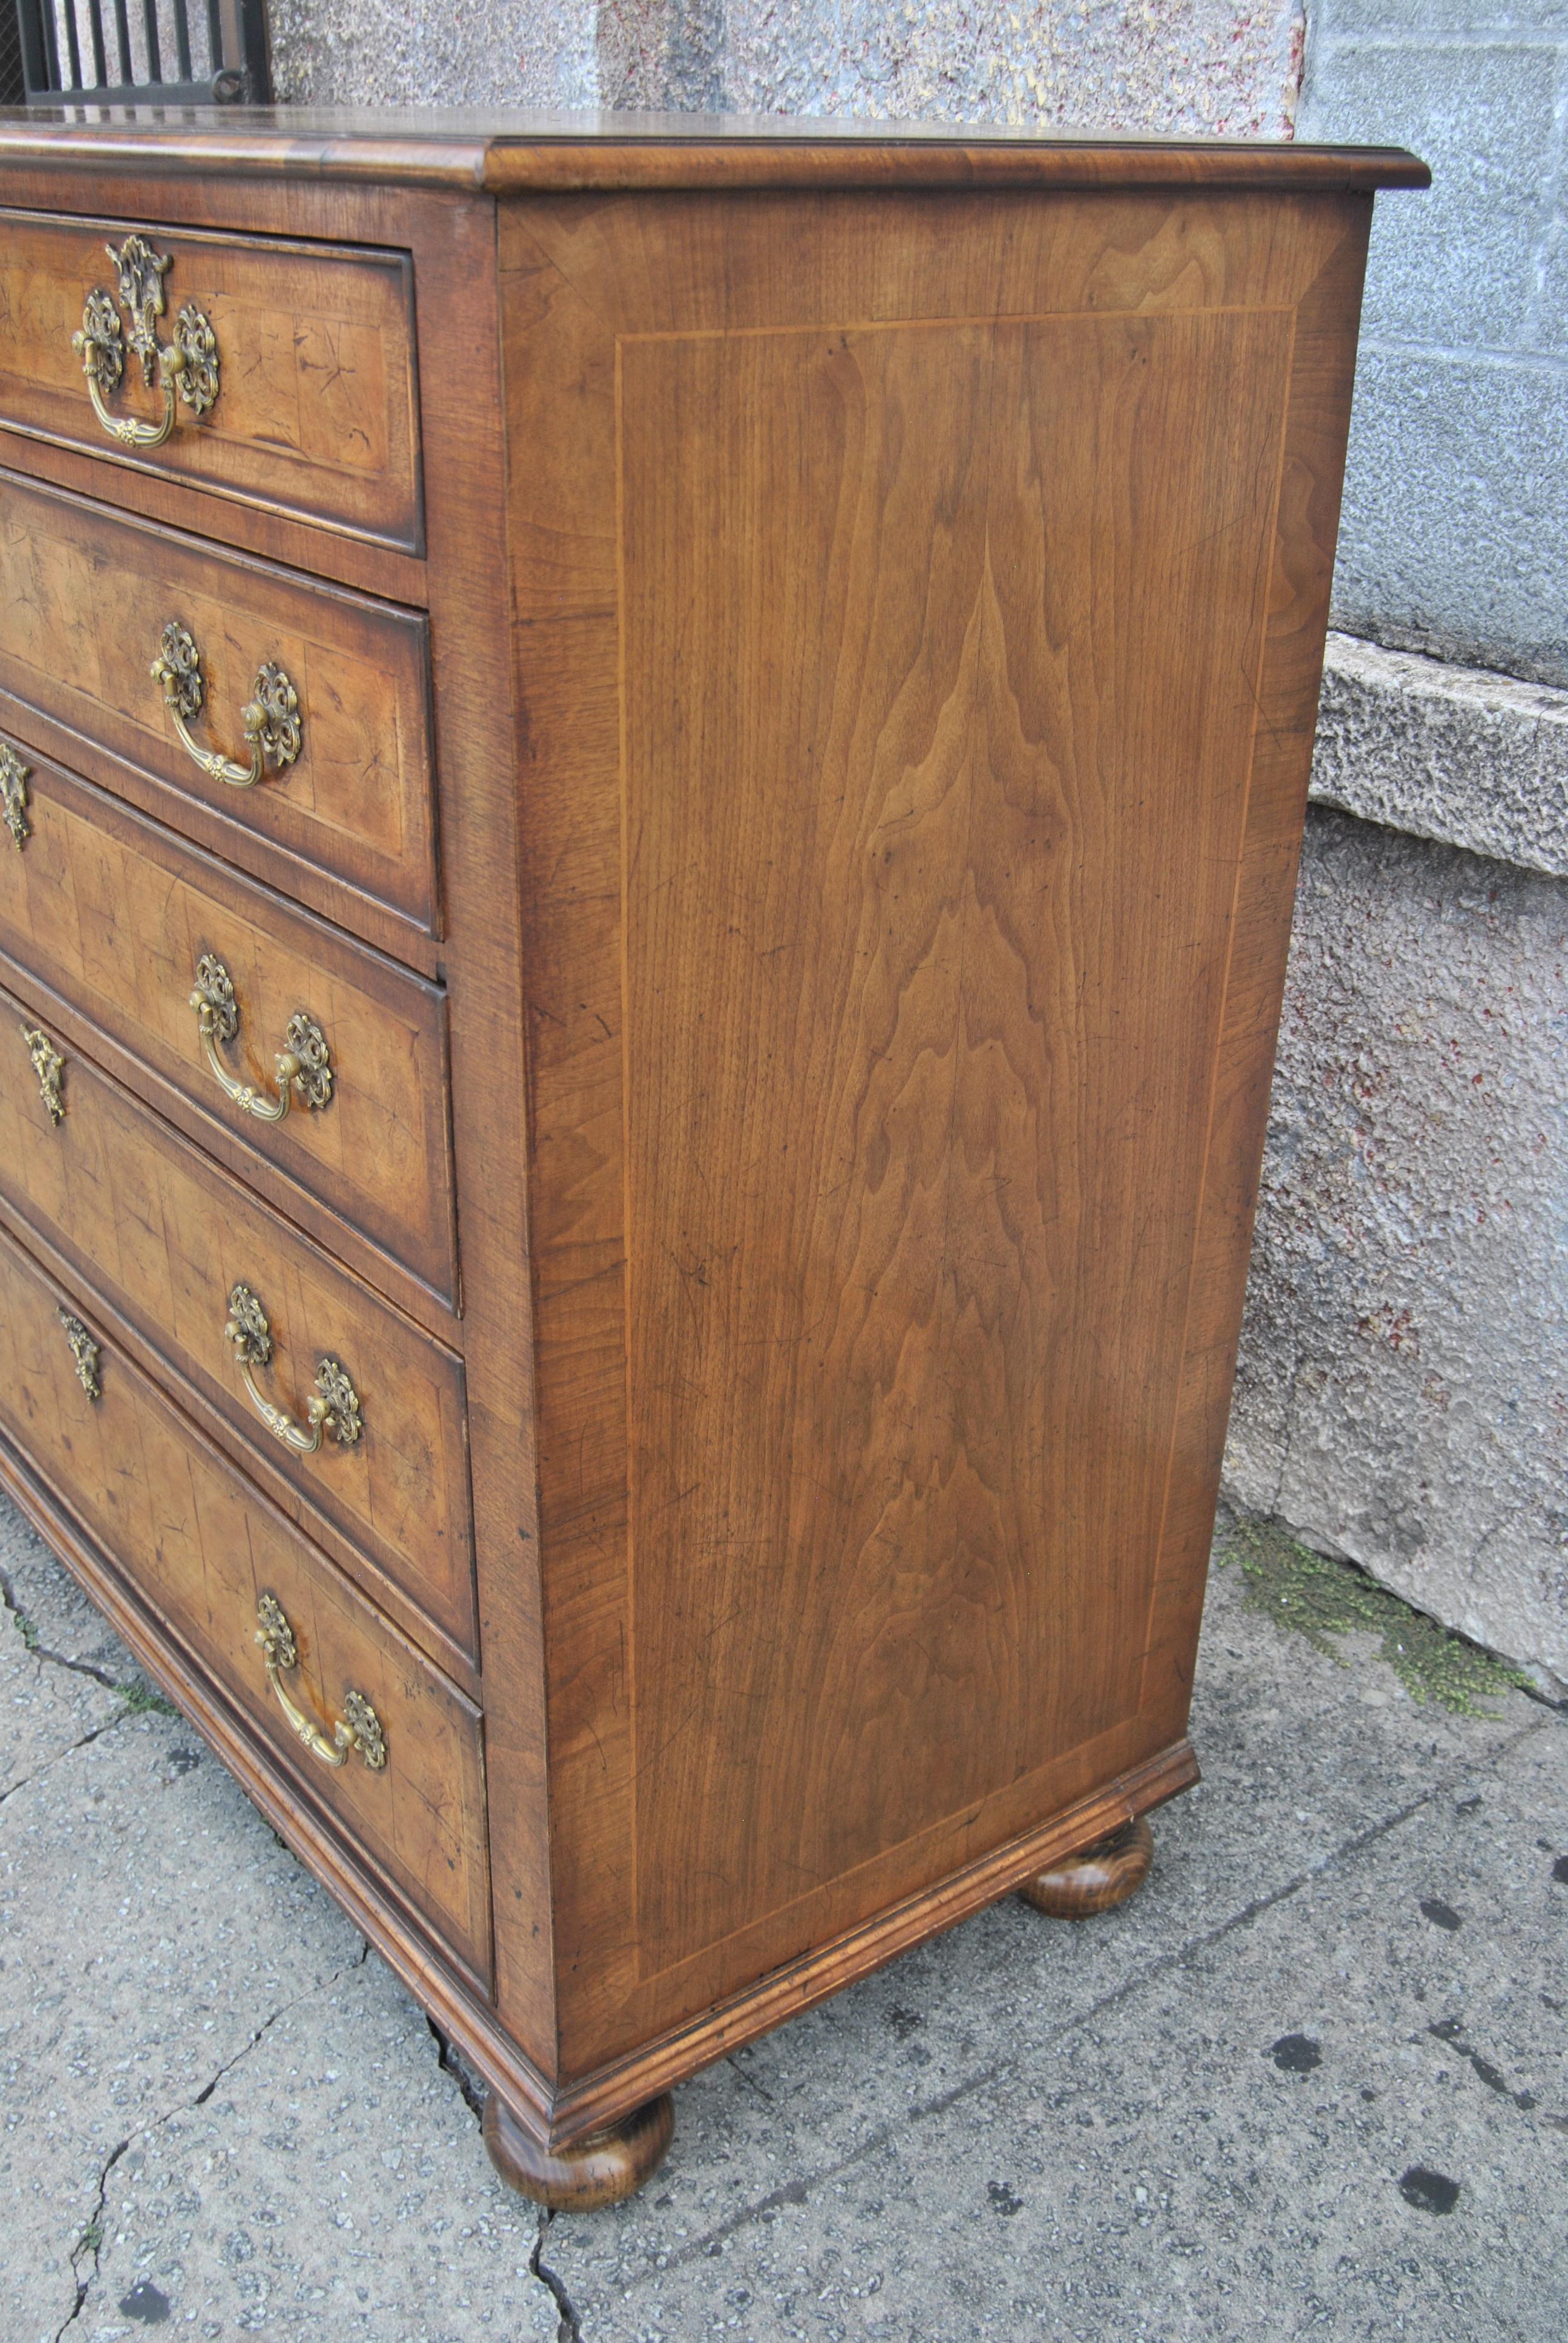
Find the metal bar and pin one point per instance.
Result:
(72, 45)
(255, 51)
(238, 63)
(96, 26)
(40, 47)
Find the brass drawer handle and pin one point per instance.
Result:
(302, 1069)
(13, 795)
(358, 1727)
(186, 363)
(271, 719)
(332, 1405)
(84, 1354)
(49, 1066)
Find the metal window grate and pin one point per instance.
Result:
(120, 52)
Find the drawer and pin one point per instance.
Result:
(117, 917)
(166, 1238)
(201, 1547)
(311, 364)
(86, 598)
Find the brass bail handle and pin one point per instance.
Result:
(184, 367)
(302, 1069)
(333, 1406)
(358, 1727)
(270, 718)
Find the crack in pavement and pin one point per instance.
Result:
(451, 2063)
(571, 2329)
(92, 2236)
(796, 2192)
(29, 1635)
(450, 2059)
(60, 1756)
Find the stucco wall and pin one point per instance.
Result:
(1404, 1392)
(1218, 65)
(1402, 1388)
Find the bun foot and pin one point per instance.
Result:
(1097, 1878)
(591, 2173)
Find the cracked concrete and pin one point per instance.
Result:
(1314, 2077)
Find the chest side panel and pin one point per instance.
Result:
(941, 646)
(894, 645)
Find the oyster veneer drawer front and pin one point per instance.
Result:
(321, 694)
(202, 1547)
(281, 374)
(168, 1240)
(126, 923)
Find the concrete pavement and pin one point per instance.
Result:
(1312, 2081)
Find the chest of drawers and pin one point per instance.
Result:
(651, 786)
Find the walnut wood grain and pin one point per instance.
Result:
(1095, 1878)
(112, 912)
(891, 668)
(876, 592)
(203, 1547)
(86, 594)
(316, 408)
(167, 1237)
(470, 147)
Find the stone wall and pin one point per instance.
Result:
(1454, 537)
(1402, 1395)
(1404, 1388)
(1223, 67)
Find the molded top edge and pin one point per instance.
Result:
(488, 148)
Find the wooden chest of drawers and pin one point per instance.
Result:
(651, 789)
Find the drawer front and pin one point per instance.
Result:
(117, 916)
(313, 406)
(201, 1547)
(86, 598)
(167, 1238)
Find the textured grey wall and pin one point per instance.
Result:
(1194, 65)
(1403, 1384)
(1455, 538)
(1220, 65)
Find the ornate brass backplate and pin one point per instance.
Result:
(302, 1070)
(332, 1405)
(270, 718)
(186, 365)
(358, 1727)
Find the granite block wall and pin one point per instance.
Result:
(1404, 1389)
